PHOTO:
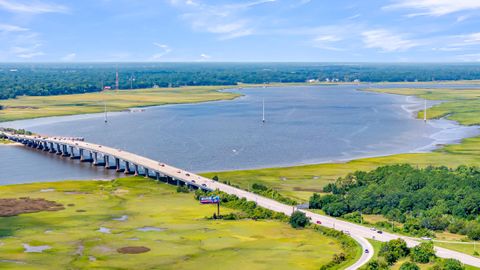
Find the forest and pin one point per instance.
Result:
(41, 79)
(423, 200)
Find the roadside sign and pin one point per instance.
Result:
(210, 200)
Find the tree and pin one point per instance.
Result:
(299, 220)
(315, 201)
(394, 250)
(409, 266)
(423, 252)
(452, 264)
(215, 178)
(376, 265)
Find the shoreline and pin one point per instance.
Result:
(450, 132)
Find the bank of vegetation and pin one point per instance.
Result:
(424, 201)
(17, 79)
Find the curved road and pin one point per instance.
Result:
(358, 232)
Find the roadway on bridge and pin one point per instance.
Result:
(358, 232)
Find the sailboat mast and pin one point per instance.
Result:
(425, 111)
(263, 110)
(105, 108)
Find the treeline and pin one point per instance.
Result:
(424, 200)
(52, 79)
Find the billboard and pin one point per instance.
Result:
(210, 200)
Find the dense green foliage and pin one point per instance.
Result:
(394, 250)
(434, 198)
(272, 194)
(18, 79)
(249, 209)
(409, 266)
(422, 253)
(449, 264)
(299, 220)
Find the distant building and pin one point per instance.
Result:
(312, 81)
(356, 81)
(155, 86)
(107, 88)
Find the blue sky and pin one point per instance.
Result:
(247, 30)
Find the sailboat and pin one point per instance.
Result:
(425, 111)
(263, 111)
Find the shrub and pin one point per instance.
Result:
(394, 250)
(409, 266)
(423, 252)
(299, 220)
(452, 264)
(182, 189)
(315, 201)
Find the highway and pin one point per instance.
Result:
(357, 232)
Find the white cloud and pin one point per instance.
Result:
(27, 52)
(165, 49)
(69, 57)
(205, 56)
(473, 57)
(33, 7)
(227, 20)
(386, 41)
(435, 7)
(11, 28)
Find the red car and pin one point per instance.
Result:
(319, 222)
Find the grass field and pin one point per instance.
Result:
(33, 107)
(184, 240)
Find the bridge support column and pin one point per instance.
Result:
(80, 153)
(95, 159)
(52, 148)
(72, 153)
(136, 170)
(178, 183)
(157, 175)
(106, 160)
(146, 173)
(59, 151)
(65, 151)
(45, 146)
(117, 165)
(127, 168)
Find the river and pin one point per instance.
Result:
(304, 125)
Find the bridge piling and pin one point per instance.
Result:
(127, 168)
(136, 170)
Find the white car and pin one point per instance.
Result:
(426, 238)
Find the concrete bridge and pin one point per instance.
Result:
(129, 163)
(112, 159)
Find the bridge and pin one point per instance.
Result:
(129, 163)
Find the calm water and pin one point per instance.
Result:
(304, 125)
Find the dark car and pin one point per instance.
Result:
(366, 251)
(379, 232)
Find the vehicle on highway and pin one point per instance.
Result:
(193, 181)
(179, 171)
(319, 222)
(187, 174)
(426, 238)
(346, 232)
(367, 251)
(379, 232)
(204, 185)
(373, 229)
